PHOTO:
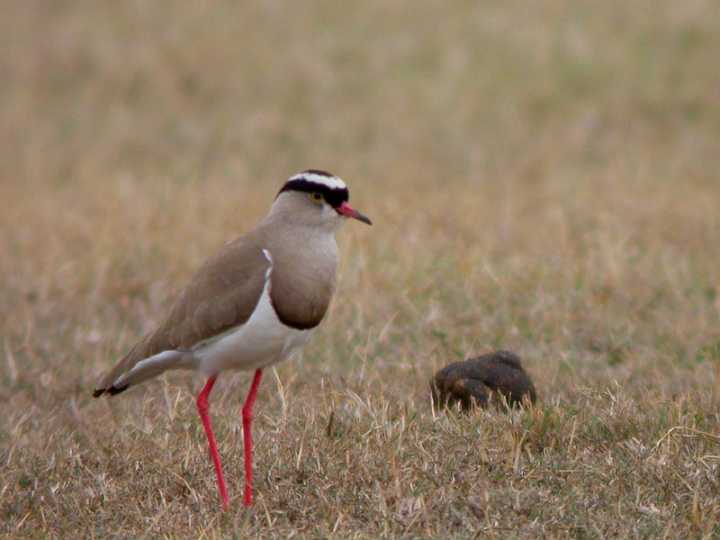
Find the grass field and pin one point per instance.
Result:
(543, 177)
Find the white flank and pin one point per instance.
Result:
(333, 182)
(269, 259)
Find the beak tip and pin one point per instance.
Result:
(348, 211)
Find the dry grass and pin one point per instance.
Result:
(543, 177)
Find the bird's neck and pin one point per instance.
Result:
(308, 247)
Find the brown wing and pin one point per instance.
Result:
(222, 294)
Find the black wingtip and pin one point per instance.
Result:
(113, 390)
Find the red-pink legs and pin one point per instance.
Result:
(247, 417)
(202, 406)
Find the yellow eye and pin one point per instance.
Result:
(316, 196)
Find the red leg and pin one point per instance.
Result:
(202, 406)
(247, 416)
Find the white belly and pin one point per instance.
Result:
(263, 340)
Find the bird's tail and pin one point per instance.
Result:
(144, 370)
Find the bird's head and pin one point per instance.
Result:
(315, 197)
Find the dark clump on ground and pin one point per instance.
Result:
(487, 378)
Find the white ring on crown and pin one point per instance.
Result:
(332, 182)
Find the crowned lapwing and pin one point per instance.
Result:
(251, 305)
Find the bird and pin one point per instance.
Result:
(475, 380)
(251, 305)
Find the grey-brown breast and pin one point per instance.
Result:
(300, 300)
(303, 277)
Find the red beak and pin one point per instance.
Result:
(348, 211)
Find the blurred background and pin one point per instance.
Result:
(545, 148)
(543, 177)
(412, 94)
